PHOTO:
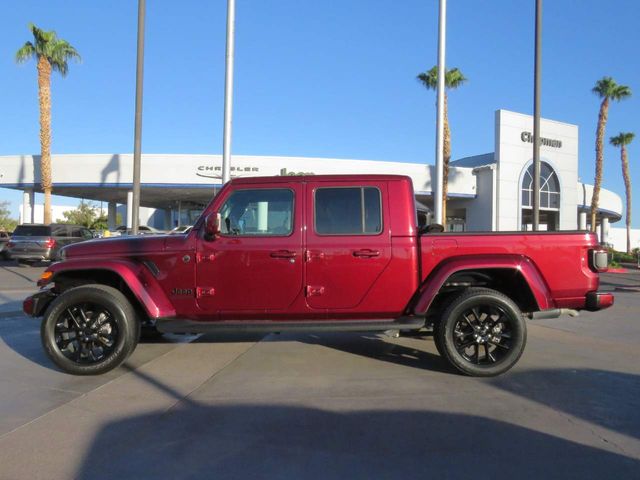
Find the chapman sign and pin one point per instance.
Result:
(547, 142)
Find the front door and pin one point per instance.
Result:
(348, 243)
(255, 264)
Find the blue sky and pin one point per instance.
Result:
(319, 78)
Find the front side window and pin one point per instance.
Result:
(258, 212)
(348, 211)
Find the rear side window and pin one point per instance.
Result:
(348, 211)
(258, 212)
(60, 231)
(32, 231)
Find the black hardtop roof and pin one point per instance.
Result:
(320, 178)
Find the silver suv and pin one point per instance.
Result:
(4, 240)
(32, 243)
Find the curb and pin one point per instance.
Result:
(617, 270)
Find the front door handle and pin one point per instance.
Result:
(366, 253)
(283, 254)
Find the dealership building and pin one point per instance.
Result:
(490, 191)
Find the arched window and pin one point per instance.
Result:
(549, 188)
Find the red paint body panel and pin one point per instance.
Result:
(518, 263)
(559, 260)
(139, 279)
(327, 277)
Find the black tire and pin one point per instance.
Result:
(482, 333)
(89, 330)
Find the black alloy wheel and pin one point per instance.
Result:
(86, 333)
(482, 332)
(89, 330)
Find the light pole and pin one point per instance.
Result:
(137, 136)
(228, 91)
(437, 199)
(535, 201)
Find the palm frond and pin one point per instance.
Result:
(47, 44)
(453, 78)
(26, 52)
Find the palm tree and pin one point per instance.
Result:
(453, 78)
(607, 89)
(622, 140)
(51, 53)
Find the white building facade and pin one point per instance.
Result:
(491, 191)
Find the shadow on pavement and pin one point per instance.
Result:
(275, 441)
(380, 348)
(22, 335)
(608, 399)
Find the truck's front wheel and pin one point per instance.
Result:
(89, 330)
(482, 333)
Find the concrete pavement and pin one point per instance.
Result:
(330, 406)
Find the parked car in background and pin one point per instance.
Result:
(31, 243)
(142, 230)
(181, 230)
(4, 240)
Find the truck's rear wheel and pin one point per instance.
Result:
(482, 333)
(89, 330)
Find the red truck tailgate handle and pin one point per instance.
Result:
(366, 253)
(283, 254)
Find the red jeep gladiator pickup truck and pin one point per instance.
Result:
(315, 253)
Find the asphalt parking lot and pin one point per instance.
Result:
(325, 406)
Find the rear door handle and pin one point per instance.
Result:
(366, 253)
(283, 254)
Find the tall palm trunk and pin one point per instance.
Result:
(44, 96)
(627, 188)
(602, 122)
(445, 163)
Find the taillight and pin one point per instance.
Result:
(599, 259)
(50, 243)
(10, 244)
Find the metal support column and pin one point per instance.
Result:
(535, 201)
(137, 138)
(437, 194)
(228, 92)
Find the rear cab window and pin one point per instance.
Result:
(348, 211)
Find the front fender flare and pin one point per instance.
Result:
(437, 278)
(136, 276)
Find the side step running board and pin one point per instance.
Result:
(172, 325)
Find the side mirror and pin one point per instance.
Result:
(212, 225)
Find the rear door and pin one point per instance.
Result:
(348, 243)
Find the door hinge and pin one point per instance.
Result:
(205, 292)
(314, 290)
(313, 254)
(202, 257)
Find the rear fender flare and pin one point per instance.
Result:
(434, 282)
(136, 276)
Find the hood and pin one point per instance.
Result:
(129, 245)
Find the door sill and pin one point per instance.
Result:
(175, 325)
